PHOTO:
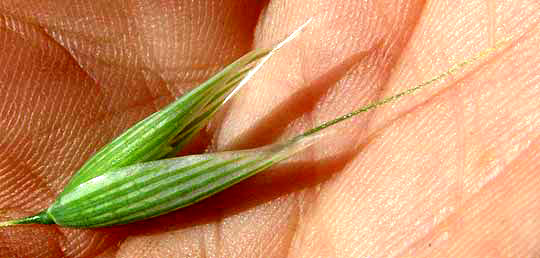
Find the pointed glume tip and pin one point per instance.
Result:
(263, 60)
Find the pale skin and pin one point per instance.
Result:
(449, 172)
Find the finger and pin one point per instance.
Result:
(343, 62)
(338, 55)
(418, 169)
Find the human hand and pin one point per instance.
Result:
(449, 172)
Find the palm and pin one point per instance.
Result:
(451, 171)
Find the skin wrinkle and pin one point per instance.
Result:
(447, 90)
(155, 97)
(17, 93)
(22, 165)
(202, 248)
(310, 152)
(460, 152)
(220, 236)
(454, 217)
(341, 70)
(60, 246)
(296, 218)
(515, 43)
(71, 56)
(291, 221)
(384, 87)
(461, 145)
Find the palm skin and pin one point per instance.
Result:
(450, 172)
